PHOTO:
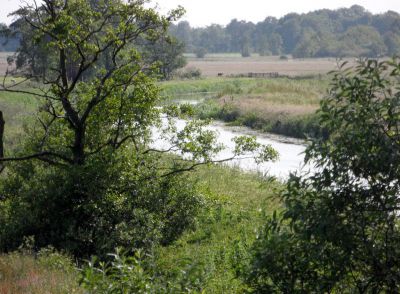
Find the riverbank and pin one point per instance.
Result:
(284, 106)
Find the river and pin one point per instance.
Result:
(291, 151)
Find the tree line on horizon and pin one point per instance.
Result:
(343, 32)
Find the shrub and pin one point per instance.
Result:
(200, 52)
(189, 73)
(92, 209)
(137, 274)
(339, 230)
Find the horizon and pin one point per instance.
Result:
(199, 14)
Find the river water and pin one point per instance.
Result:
(291, 152)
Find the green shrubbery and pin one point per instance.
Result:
(302, 126)
(138, 273)
(339, 230)
(94, 208)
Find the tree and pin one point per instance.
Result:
(339, 229)
(86, 178)
(392, 42)
(363, 41)
(97, 97)
(168, 51)
(200, 52)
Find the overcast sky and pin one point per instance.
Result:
(205, 12)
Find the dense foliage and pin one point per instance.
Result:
(339, 229)
(344, 32)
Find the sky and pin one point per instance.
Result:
(201, 13)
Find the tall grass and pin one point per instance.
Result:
(217, 251)
(284, 106)
(48, 272)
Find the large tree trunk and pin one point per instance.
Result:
(78, 149)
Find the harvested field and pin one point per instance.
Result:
(212, 65)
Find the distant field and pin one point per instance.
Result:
(232, 64)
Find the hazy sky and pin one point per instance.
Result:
(205, 12)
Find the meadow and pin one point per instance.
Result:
(284, 106)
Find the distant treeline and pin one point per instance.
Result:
(343, 32)
(7, 45)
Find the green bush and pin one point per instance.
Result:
(110, 201)
(138, 274)
(189, 73)
(200, 52)
(339, 231)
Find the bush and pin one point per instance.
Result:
(108, 202)
(200, 52)
(137, 274)
(339, 230)
(189, 73)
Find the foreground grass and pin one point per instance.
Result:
(49, 272)
(217, 250)
(282, 105)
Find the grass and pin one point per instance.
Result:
(48, 272)
(218, 248)
(17, 109)
(285, 106)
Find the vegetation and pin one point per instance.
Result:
(73, 182)
(213, 252)
(334, 33)
(339, 228)
(5, 44)
(49, 272)
(280, 105)
(168, 51)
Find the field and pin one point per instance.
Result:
(233, 64)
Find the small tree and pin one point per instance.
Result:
(200, 52)
(339, 229)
